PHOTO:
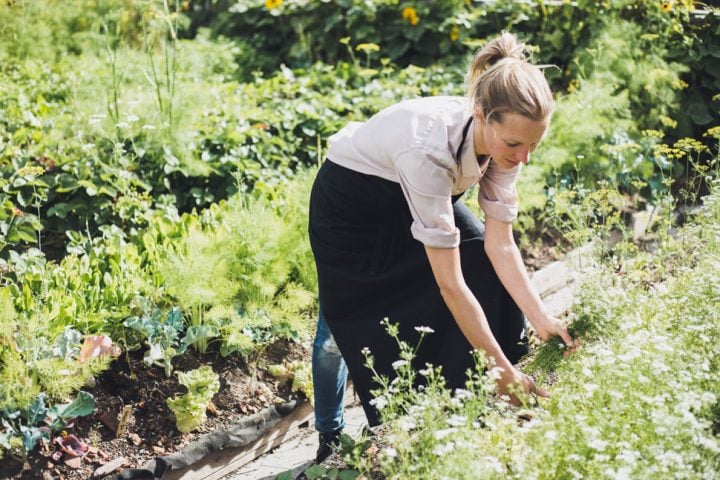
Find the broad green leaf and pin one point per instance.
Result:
(31, 436)
(36, 411)
(26, 236)
(348, 475)
(314, 472)
(84, 404)
(197, 333)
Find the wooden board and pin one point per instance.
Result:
(218, 464)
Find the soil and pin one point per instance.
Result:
(245, 389)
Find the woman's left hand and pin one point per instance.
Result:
(550, 326)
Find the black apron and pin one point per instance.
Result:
(370, 268)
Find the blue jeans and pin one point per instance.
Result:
(329, 375)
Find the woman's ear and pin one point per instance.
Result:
(478, 114)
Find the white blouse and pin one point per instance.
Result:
(414, 143)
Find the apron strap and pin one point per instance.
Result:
(462, 142)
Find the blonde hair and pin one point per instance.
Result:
(502, 80)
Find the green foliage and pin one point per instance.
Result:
(26, 427)
(30, 364)
(302, 32)
(316, 472)
(299, 373)
(189, 409)
(244, 272)
(624, 56)
(160, 332)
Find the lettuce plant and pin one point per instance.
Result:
(189, 409)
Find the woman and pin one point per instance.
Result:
(391, 240)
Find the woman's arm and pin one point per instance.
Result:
(468, 314)
(507, 262)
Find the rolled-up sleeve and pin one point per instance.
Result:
(497, 194)
(427, 184)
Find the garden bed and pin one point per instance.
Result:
(150, 429)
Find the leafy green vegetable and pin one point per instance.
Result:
(189, 409)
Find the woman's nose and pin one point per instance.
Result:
(523, 156)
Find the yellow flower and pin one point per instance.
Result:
(690, 144)
(667, 121)
(410, 14)
(653, 134)
(454, 33)
(270, 4)
(666, 6)
(713, 132)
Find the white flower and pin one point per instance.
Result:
(463, 394)
(379, 402)
(440, 434)
(456, 420)
(495, 464)
(390, 452)
(365, 351)
(399, 363)
(406, 424)
(598, 444)
(96, 118)
(443, 449)
(495, 372)
(423, 329)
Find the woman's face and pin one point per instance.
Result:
(511, 141)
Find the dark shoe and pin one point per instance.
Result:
(328, 443)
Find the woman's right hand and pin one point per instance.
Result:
(518, 386)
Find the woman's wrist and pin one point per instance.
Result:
(538, 317)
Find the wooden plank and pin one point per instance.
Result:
(558, 275)
(551, 278)
(218, 464)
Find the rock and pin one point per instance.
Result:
(109, 420)
(135, 439)
(110, 467)
(74, 462)
(90, 382)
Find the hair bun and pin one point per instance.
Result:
(505, 47)
(501, 79)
